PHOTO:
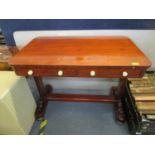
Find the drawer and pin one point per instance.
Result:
(46, 71)
(94, 72)
(110, 72)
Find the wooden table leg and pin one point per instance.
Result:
(43, 91)
(118, 92)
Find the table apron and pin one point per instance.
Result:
(100, 72)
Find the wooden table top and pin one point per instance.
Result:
(81, 51)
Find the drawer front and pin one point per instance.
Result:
(53, 72)
(110, 72)
(94, 72)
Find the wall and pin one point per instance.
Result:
(11, 25)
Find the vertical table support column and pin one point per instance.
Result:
(43, 90)
(118, 92)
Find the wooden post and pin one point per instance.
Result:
(41, 107)
(118, 93)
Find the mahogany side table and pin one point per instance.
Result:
(93, 57)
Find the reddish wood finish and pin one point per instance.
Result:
(80, 51)
(80, 98)
(101, 72)
(40, 86)
(118, 93)
(76, 57)
(42, 104)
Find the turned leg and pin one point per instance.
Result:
(43, 91)
(118, 93)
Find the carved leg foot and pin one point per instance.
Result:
(41, 108)
(42, 105)
(120, 116)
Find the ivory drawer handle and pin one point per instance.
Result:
(30, 72)
(125, 74)
(60, 73)
(92, 73)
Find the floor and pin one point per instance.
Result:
(68, 118)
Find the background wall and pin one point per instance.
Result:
(11, 25)
(142, 32)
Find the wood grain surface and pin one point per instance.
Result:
(81, 51)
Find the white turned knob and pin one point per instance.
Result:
(30, 72)
(92, 73)
(60, 72)
(125, 74)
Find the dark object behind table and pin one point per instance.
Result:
(137, 122)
